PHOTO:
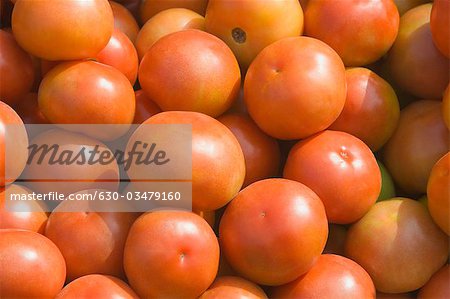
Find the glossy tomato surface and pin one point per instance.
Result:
(437, 286)
(124, 20)
(233, 287)
(440, 25)
(145, 107)
(149, 8)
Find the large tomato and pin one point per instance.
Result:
(273, 231)
(371, 110)
(149, 8)
(438, 192)
(233, 287)
(31, 265)
(197, 57)
(62, 30)
(440, 25)
(333, 276)
(361, 32)
(124, 20)
(295, 87)
(398, 244)
(171, 254)
(247, 27)
(415, 63)
(437, 286)
(420, 139)
(145, 107)
(261, 152)
(341, 169)
(16, 69)
(164, 23)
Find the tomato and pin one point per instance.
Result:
(333, 276)
(32, 215)
(336, 239)
(446, 107)
(62, 30)
(11, 124)
(164, 23)
(295, 87)
(120, 54)
(247, 27)
(233, 287)
(261, 152)
(371, 110)
(437, 286)
(438, 193)
(31, 264)
(145, 107)
(197, 57)
(28, 110)
(171, 254)
(398, 244)
(360, 32)
(274, 224)
(97, 286)
(149, 8)
(404, 5)
(341, 169)
(218, 165)
(387, 184)
(124, 20)
(415, 64)
(420, 139)
(440, 25)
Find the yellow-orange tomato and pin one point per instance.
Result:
(446, 107)
(437, 286)
(190, 70)
(145, 107)
(233, 287)
(164, 23)
(62, 30)
(360, 32)
(124, 20)
(415, 63)
(149, 8)
(247, 27)
(405, 5)
(295, 87)
(438, 192)
(440, 25)
(371, 109)
(421, 138)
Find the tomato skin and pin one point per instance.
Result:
(166, 22)
(437, 286)
(145, 107)
(438, 193)
(233, 287)
(387, 184)
(149, 8)
(415, 64)
(398, 244)
(360, 32)
(16, 69)
(274, 224)
(421, 129)
(171, 254)
(31, 264)
(261, 152)
(341, 169)
(97, 286)
(332, 276)
(446, 107)
(440, 25)
(371, 109)
(28, 110)
(124, 20)
(295, 87)
(247, 27)
(62, 30)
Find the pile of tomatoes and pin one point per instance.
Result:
(320, 146)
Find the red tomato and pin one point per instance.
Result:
(233, 287)
(333, 276)
(341, 169)
(16, 69)
(32, 215)
(28, 110)
(440, 25)
(446, 107)
(261, 152)
(171, 254)
(295, 88)
(437, 286)
(62, 30)
(145, 107)
(149, 8)
(415, 63)
(124, 20)
(336, 239)
(420, 139)
(371, 110)
(247, 27)
(166, 22)
(120, 54)
(31, 264)
(398, 244)
(438, 193)
(197, 57)
(274, 224)
(97, 286)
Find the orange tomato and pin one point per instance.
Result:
(440, 25)
(233, 287)
(149, 8)
(124, 20)
(145, 107)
